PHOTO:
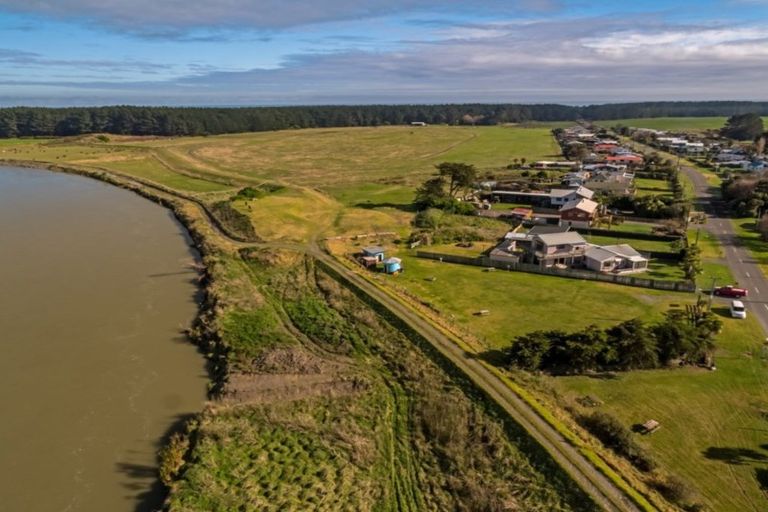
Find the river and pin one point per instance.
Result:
(95, 290)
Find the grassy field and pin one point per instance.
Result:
(671, 123)
(647, 186)
(521, 302)
(342, 181)
(713, 422)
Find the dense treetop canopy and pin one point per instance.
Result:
(129, 120)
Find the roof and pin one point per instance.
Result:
(373, 249)
(546, 229)
(390, 261)
(624, 157)
(560, 192)
(608, 252)
(586, 205)
(567, 238)
(585, 192)
(624, 250)
(516, 236)
(597, 253)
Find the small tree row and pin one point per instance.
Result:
(681, 335)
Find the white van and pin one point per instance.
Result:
(737, 309)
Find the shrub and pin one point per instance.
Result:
(618, 438)
(172, 458)
(234, 220)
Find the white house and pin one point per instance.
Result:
(559, 197)
(615, 258)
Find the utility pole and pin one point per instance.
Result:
(712, 292)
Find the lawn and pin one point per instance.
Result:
(646, 186)
(631, 227)
(521, 302)
(713, 423)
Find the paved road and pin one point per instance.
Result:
(743, 266)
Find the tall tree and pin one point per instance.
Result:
(635, 346)
(691, 262)
(743, 127)
(431, 193)
(460, 176)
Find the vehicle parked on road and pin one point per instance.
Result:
(738, 310)
(730, 291)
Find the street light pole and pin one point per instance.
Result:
(712, 292)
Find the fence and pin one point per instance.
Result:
(485, 261)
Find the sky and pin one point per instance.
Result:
(298, 52)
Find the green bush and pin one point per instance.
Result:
(618, 438)
(234, 220)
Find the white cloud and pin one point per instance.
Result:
(549, 61)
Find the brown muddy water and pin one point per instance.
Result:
(95, 288)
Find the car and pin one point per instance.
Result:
(730, 291)
(738, 310)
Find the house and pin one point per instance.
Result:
(604, 147)
(575, 179)
(418, 123)
(630, 159)
(546, 229)
(578, 213)
(615, 184)
(554, 164)
(552, 199)
(730, 155)
(559, 197)
(562, 249)
(393, 265)
(375, 252)
(521, 214)
(605, 168)
(615, 258)
(507, 251)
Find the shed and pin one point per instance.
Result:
(392, 265)
(368, 261)
(374, 251)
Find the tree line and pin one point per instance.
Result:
(177, 121)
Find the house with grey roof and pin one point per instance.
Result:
(615, 258)
(557, 249)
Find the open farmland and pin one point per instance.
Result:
(670, 123)
(341, 181)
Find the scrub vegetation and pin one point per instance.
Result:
(326, 406)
